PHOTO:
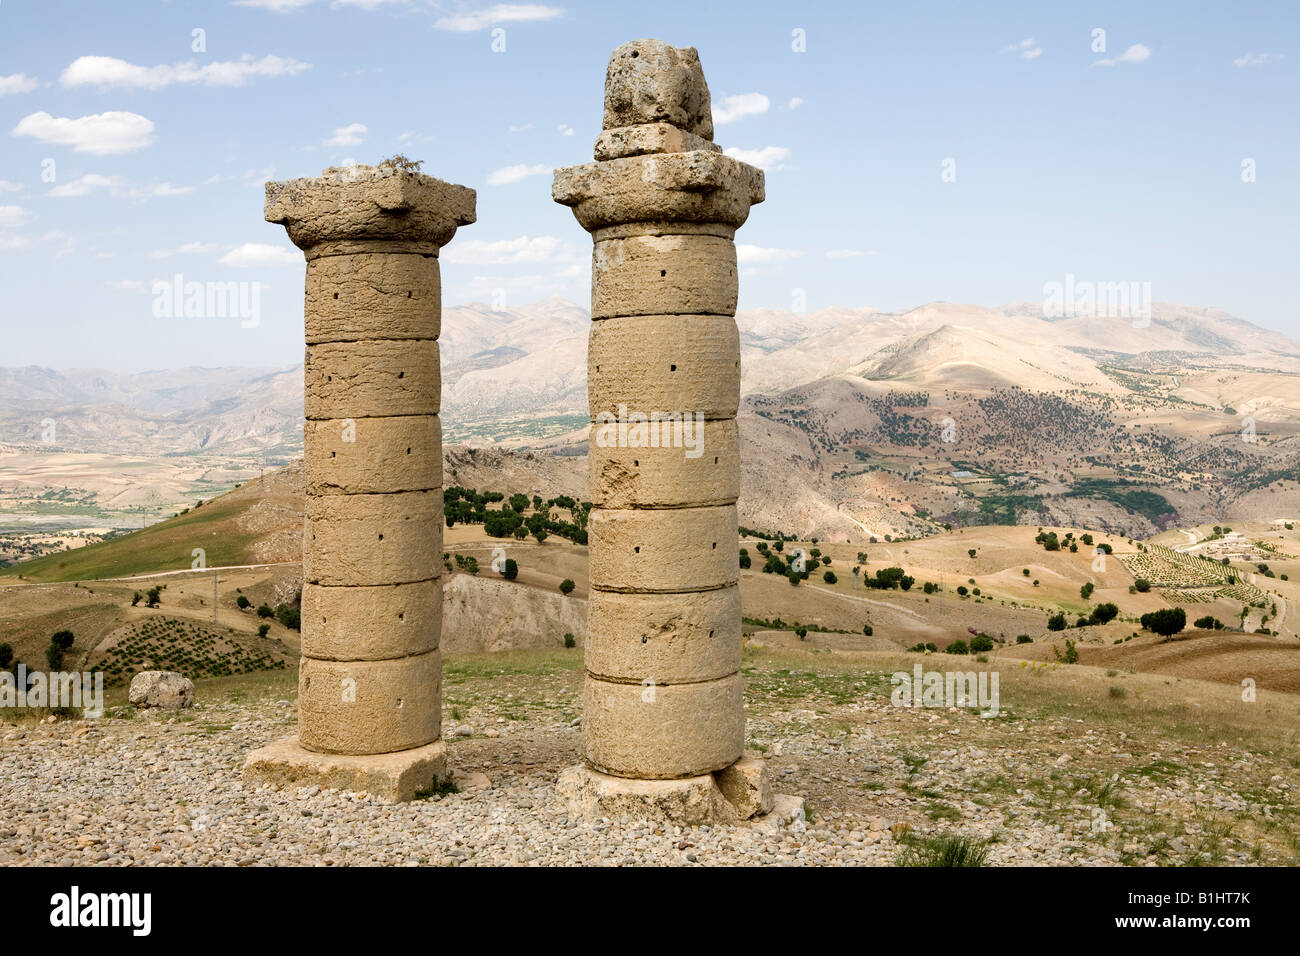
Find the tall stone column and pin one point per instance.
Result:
(663, 713)
(369, 696)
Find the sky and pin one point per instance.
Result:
(914, 152)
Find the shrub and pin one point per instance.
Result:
(289, 616)
(1024, 639)
(981, 643)
(1208, 623)
(745, 561)
(1142, 585)
(510, 570)
(63, 640)
(957, 647)
(962, 590)
(153, 597)
(136, 598)
(945, 851)
(829, 577)
(1056, 622)
(1117, 692)
(1085, 592)
(567, 586)
(6, 656)
(265, 611)
(243, 603)
(263, 630)
(868, 630)
(802, 632)
(793, 577)
(569, 641)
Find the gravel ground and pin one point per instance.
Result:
(164, 788)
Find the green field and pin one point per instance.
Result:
(166, 546)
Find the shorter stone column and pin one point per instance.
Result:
(369, 701)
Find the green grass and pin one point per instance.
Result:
(944, 851)
(166, 546)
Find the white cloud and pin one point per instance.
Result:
(565, 129)
(107, 71)
(11, 216)
(83, 186)
(127, 285)
(275, 6)
(736, 107)
(253, 255)
(7, 187)
(184, 249)
(161, 191)
(1258, 59)
(14, 242)
(513, 174)
(748, 255)
(350, 135)
(102, 134)
(484, 252)
(1137, 53)
(1026, 49)
(848, 253)
(365, 4)
(795, 102)
(769, 157)
(17, 83)
(521, 128)
(495, 15)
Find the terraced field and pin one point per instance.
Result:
(186, 646)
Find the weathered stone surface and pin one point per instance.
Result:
(648, 81)
(355, 540)
(787, 811)
(371, 623)
(747, 786)
(667, 638)
(702, 468)
(662, 732)
(371, 203)
(369, 707)
(373, 455)
(693, 801)
(664, 363)
(622, 141)
(678, 549)
(372, 379)
(373, 296)
(163, 689)
(700, 186)
(663, 275)
(394, 777)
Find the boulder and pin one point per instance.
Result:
(165, 689)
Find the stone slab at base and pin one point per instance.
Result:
(394, 777)
(692, 801)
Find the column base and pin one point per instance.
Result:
(738, 794)
(393, 777)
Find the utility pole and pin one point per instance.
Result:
(214, 598)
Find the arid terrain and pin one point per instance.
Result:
(1020, 492)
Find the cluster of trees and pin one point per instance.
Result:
(60, 643)
(886, 579)
(469, 506)
(1101, 614)
(151, 599)
(290, 615)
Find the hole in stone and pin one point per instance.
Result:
(408, 451)
(636, 463)
(637, 549)
(408, 295)
(401, 616)
(381, 537)
(334, 454)
(663, 272)
(399, 703)
(715, 460)
(336, 295)
(672, 368)
(644, 638)
(635, 54)
(401, 375)
(715, 546)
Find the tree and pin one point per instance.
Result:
(289, 616)
(1166, 621)
(1208, 623)
(962, 590)
(744, 558)
(957, 647)
(54, 656)
(829, 577)
(1104, 613)
(971, 552)
(243, 603)
(567, 586)
(1085, 592)
(265, 611)
(263, 630)
(794, 578)
(519, 503)
(153, 597)
(868, 630)
(802, 632)
(1056, 622)
(981, 643)
(137, 598)
(63, 639)
(510, 570)
(1142, 585)
(6, 656)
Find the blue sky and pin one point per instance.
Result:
(1122, 165)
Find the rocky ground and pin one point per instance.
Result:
(1068, 774)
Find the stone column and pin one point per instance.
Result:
(369, 697)
(663, 713)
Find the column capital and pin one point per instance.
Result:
(360, 208)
